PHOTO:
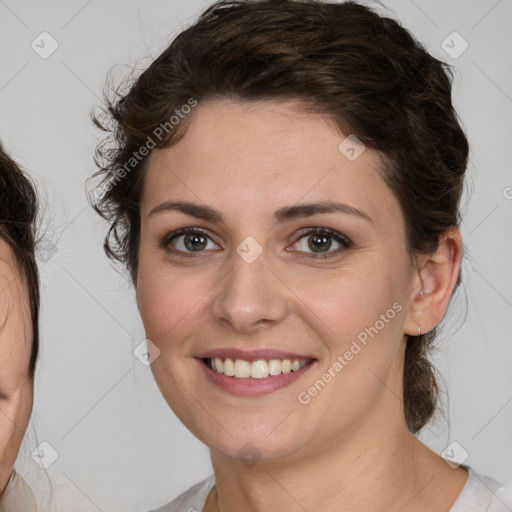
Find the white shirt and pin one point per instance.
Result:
(480, 494)
(17, 497)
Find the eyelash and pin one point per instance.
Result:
(345, 242)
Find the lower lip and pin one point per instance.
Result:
(253, 387)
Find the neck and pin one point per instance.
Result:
(388, 471)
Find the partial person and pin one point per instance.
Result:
(19, 326)
(283, 186)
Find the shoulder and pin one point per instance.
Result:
(192, 500)
(17, 496)
(481, 492)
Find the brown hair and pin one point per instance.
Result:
(18, 213)
(360, 69)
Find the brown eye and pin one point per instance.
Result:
(320, 240)
(186, 241)
(194, 242)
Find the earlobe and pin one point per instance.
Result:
(436, 279)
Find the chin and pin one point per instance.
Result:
(249, 443)
(252, 450)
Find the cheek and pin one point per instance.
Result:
(169, 304)
(359, 312)
(349, 300)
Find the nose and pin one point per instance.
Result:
(251, 297)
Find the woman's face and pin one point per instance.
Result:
(260, 286)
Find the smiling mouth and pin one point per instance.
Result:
(259, 369)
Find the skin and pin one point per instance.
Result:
(16, 387)
(350, 444)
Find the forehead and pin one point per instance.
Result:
(263, 154)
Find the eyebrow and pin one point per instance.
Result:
(286, 213)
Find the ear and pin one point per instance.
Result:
(434, 280)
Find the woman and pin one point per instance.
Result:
(19, 331)
(284, 192)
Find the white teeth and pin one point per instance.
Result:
(274, 367)
(218, 365)
(242, 369)
(229, 367)
(295, 365)
(259, 369)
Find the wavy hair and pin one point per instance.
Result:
(361, 69)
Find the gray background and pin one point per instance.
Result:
(119, 446)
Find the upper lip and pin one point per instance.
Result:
(251, 355)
